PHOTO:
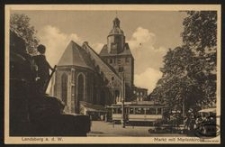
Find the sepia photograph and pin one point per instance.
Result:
(146, 74)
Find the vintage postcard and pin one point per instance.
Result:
(112, 74)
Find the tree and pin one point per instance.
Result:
(176, 87)
(20, 24)
(189, 72)
(200, 30)
(200, 34)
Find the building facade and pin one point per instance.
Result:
(116, 53)
(85, 78)
(140, 94)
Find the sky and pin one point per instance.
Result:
(149, 34)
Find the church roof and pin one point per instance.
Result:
(99, 58)
(75, 55)
(104, 51)
(126, 51)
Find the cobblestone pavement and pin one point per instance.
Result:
(101, 128)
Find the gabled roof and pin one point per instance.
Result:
(104, 51)
(126, 50)
(107, 69)
(75, 55)
(100, 59)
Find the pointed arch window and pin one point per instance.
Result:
(64, 87)
(81, 87)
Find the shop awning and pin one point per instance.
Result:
(93, 108)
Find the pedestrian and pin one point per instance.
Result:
(43, 68)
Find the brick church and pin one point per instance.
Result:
(87, 80)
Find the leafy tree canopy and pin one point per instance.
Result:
(200, 30)
(20, 24)
(189, 71)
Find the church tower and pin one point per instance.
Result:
(118, 55)
(116, 38)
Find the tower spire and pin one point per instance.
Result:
(116, 23)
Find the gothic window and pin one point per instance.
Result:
(80, 87)
(64, 82)
(72, 75)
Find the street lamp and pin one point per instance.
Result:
(121, 71)
(123, 98)
(123, 114)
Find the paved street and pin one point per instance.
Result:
(101, 128)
